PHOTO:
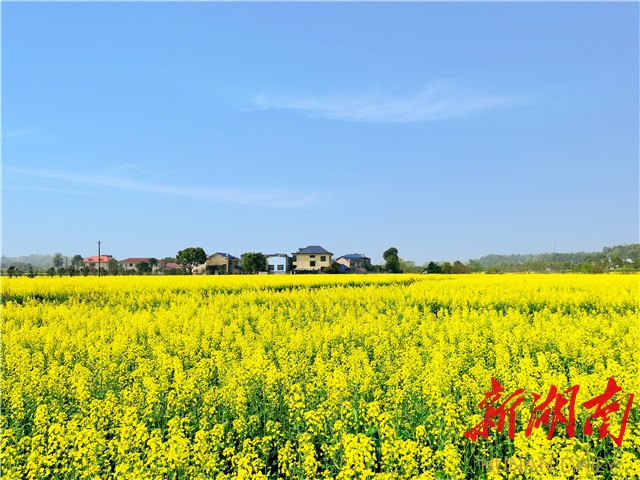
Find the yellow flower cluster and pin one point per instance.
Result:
(375, 376)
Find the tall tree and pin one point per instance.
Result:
(253, 262)
(391, 260)
(190, 257)
(58, 261)
(76, 262)
(113, 266)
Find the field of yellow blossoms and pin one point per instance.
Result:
(372, 376)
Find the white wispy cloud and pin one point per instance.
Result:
(229, 195)
(15, 133)
(439, 101)
(62, 191)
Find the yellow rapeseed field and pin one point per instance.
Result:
(372, 376)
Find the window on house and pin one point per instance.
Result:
(323, 258)
(271, 268)
(312, 263)
(280, 267)
(312, 256)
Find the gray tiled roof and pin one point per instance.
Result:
(313, 249)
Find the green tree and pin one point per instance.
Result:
(253, 262)
(153, 262)
(475, 266)
(391, 260)
(58, 261)
(446, 267)
(459, 267)
(408, 266)
(433, 267)
(143, 268)
(190, 257)
(112, 264)
(77, 262)
(12, 271)
(51, 272)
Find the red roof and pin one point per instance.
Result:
(173, 266)
(94, 259)
(135, 260)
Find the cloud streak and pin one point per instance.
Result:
(15, 133)
(439, 101)
(229, 195)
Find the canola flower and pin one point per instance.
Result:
(343, 377)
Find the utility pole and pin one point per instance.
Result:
(98, 258)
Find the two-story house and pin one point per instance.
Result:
(278, 263)
(134, 262)
(92, 262)
(311, 259)
(355, 262)
(221, 263)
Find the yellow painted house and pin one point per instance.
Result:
(221, 263)
(311, 259)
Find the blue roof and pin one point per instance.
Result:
(226, 255)
(354, 256)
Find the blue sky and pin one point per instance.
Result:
(447, 130)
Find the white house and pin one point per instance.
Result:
(278, 263)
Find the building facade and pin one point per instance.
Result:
(221, 263)
(311, 259)
(133, 263)
(278, 263)
(92, 262)
(355, 262)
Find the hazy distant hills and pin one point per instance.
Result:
(623, 253)
(36, 261)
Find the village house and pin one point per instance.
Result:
(169, 265)
(278, 263)
(92, 262)
(134, 262)
(355, 262)
(311, 259)
(221, 263)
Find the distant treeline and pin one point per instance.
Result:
(618, 258)
(38, 262)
